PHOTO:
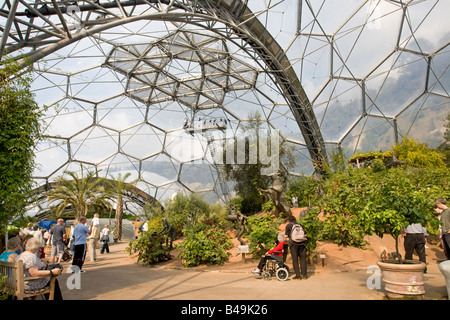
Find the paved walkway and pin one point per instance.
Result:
(115, 276)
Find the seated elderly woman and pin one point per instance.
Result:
(33, 266)
(276, 251)
(10, 254)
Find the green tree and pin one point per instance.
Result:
(117, 187)
(185, 212)
(365, 201)
(80, 193)
(20, 131)
(444, 147)
(305, 188)
(247, 176)
(418, 154)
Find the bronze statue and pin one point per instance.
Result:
(241, 221)
(169, 231)
(275, 193)
(395, 162)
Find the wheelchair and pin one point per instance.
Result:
(275, 266)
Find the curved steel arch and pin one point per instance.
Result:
(232, 13)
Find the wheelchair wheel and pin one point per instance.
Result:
(266, 275)
(66, 256)
(282, 274)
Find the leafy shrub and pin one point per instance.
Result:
(3, 293)
(268, 206)
(343, 230)
(263, 235)
(151, 244)
(365, 201)
(313, 228)
(184, 212)
(237, 203)
(305, 188)
(205, 244)
(418, 154)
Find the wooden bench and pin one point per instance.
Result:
(14, 283)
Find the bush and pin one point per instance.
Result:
(150, 245)
(3, 293)
(184, 212)
(268, 206)
(343, 230)
(364, 201)
(205, 244)
(313, 229)
(305, 188)
(263, 235)
(418, 154)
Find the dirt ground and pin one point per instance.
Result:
(342, 258)
(342, 275)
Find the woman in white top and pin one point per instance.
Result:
(104, 237)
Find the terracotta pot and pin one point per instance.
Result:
(403, 281)
(444, 267)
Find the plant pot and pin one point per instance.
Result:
(444, 267)
(403, 281)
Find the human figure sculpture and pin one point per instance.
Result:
(169, 231)
(242, 223)
(275, 193)
(395, 162)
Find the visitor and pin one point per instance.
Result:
(104, 237)
(80, 233)
(27, 230)
(415, 239)
(438, 211)
(93, 237)
(57, 236)
(46, 236)
(36, 233)
(72, 241)
(445, 221)
(10, 254)
(297, 249)
(145, 226)
(276, 251)
(33, 266)
(95, 221)
(23, 246)
(295, 201)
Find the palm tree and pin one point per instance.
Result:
(117, 187)
(79, 192)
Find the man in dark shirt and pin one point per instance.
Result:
(298, 251)
(445, 220)
(57, 238)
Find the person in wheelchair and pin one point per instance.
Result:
(274, 253)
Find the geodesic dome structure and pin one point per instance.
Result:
(124, 80)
